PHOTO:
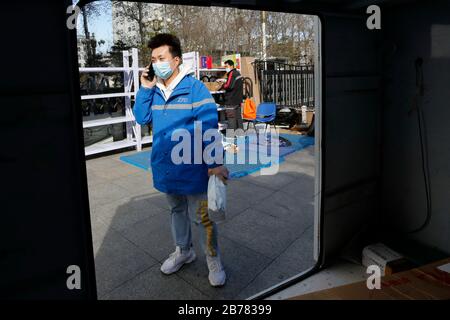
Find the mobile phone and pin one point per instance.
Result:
(151, 73)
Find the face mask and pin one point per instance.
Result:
(228, 69)
(162, 69)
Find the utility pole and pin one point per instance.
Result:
(264, 40)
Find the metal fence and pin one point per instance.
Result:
(286, 85)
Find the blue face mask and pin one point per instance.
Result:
(162, 69)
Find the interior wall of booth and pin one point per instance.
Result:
(413, 31)
(351, 130)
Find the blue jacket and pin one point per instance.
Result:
(189, 102)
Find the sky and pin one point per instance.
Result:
(101, 27)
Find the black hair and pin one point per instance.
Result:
(230, 63)
(166, 39)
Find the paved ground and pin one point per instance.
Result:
(267, 237)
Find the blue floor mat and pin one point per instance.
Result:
(297, 143)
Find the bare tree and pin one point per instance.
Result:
(136, 14)
(91, 11)
(219, 30)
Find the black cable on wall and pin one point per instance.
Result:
(423, 142)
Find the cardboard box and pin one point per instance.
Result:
(430, 282)
(398, 266)
(248, 71)
(309, 117)
(380, 255)
(388, 260)
(212, 86)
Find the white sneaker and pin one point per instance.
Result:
(217, 275)
(176, 260)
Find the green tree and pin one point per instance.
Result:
(115, 53)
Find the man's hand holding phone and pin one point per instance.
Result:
(148, 78)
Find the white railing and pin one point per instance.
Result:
(131, 86)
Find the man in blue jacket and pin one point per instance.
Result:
(175, 101)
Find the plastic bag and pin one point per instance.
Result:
(217, 198)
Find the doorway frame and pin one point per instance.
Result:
(319, 153)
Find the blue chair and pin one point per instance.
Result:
(265, 113)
